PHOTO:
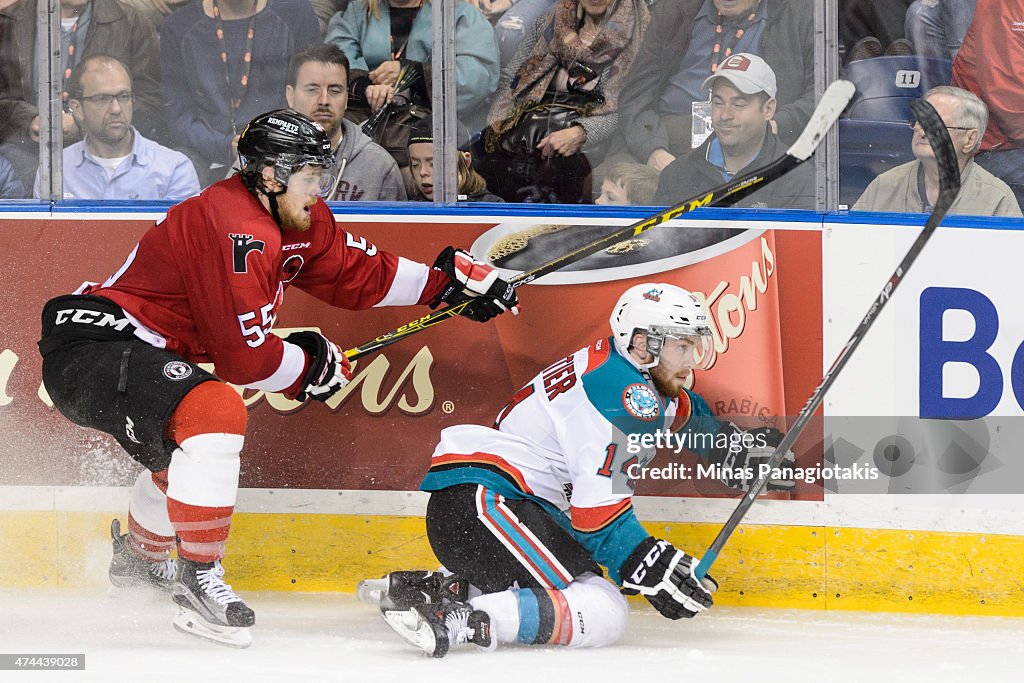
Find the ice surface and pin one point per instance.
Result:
(327, 637)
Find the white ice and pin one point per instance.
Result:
(328, 637)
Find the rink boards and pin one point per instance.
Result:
(327, 497)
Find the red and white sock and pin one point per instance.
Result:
(150, 533)
(202, 479)
(201, 492)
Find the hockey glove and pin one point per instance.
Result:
(747, 451)
(665, 577)
(478, 283)
(329, 369)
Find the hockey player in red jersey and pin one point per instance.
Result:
(525, 513)
(204, 285)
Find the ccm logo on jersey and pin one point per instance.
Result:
(84, 316)
(241, 246)
(297, 245)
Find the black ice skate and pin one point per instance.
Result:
(208, 608)
(437, 628)
(129, 571)
(404, 590)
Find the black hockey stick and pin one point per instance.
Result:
(832, 103)
(949, 187)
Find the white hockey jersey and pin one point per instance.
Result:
(569, 440)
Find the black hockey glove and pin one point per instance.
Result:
(741, 461)
(665, 577)
(329, 369)
(478, 283)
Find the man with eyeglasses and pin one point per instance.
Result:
(114, 160)
(205, 285)
(913, 187)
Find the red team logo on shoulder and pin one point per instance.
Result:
(291, 267)
(640, 402)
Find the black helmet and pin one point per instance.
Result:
(286, 140)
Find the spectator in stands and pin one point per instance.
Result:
(625, 183)
(471, 185)
(88, 27)
(557, 104)
(11, 186)
(225, 62)
(989, 64)
(318, 87)
(383, 37)
(687, 40)
(114, 161)
(937, 27)
(743, 91)
(914, 186)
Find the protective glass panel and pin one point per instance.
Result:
(900, 50)
(597, 100)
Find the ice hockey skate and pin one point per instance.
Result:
(208, 608)
(404, 590)
(130, 571)
(435, 629)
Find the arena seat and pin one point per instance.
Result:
(887, 85)
(866, 149)
(874, 135)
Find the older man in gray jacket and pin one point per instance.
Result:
(914, 186)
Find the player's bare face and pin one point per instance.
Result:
(304, 188)
(678, 358)
(321, 93)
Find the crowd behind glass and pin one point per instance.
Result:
(641, 102)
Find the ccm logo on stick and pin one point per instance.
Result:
(936, 351)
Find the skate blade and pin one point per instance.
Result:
(191, 623)
(371, 591)
(415, 630)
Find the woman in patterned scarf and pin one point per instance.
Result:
(557, 100)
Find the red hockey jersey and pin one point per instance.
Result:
(206, 282)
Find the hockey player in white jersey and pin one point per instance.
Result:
(524, 512)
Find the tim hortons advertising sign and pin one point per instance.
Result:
(379, 432)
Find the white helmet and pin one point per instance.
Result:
(660, 310)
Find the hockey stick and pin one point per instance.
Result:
(832, 103)
(949, 187)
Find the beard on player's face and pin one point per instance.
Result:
(295, 211)
(669, 381)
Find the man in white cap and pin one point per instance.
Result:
(743, 104)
